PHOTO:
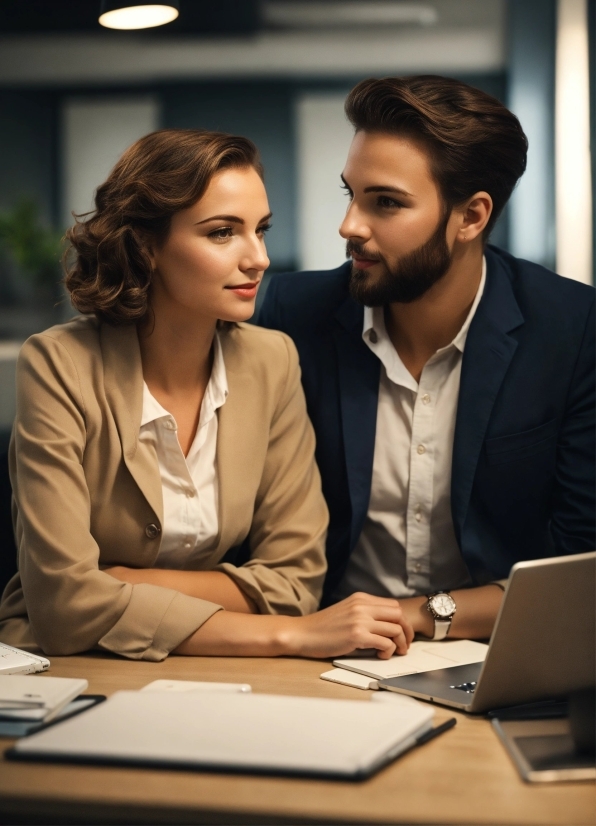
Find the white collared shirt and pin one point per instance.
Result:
(189, 485)
(408, 546)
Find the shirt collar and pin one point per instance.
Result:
(460, 339)
(376, 338)
(217, 389)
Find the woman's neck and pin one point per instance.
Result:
(176, 352)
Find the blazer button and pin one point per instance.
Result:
(152, 530)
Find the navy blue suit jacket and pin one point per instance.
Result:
(522, 484)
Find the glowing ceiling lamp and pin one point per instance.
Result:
(137, 14)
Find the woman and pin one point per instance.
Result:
(157, 432)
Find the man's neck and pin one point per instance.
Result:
(418, 329)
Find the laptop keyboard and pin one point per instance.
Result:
(469, 688)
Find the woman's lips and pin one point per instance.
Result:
(248, 290)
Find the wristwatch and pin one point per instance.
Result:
(442, 607)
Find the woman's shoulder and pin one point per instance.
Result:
(260, 343)
(259, 352)
(75, 340)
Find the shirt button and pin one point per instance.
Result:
(373, 337)
(426, 399)
(190, 492)
(418, 516)
(417, 567)
(152, 531)
(187, 545)
(169, 424)
(420, 450)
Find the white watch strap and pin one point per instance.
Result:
(441, 629)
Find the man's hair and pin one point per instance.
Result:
(108, 265)
(474, 142)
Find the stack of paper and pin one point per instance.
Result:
(36, 698)
(422, 656)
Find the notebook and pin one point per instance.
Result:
(422, 656)
(36, 698)
(346, 739)
(15, 661)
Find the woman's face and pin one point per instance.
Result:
(213, 259)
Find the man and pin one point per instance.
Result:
(451, 386)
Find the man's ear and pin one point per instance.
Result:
(475, 214)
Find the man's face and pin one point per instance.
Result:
(397, 233)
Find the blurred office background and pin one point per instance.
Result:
(74, 95)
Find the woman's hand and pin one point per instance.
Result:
(360, 621)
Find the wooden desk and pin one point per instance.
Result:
(462, 777)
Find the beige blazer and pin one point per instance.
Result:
(87, 493)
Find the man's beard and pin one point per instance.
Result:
(412, 276)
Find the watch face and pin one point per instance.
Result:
(443, 605)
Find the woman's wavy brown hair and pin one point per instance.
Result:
(108, 265)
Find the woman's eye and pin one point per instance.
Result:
(221, 234)
(263, 229)
(385, 202)
(347, 190)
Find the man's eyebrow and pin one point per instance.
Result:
(395, 189)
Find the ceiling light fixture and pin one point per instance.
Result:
(130, 14)
(302, 14)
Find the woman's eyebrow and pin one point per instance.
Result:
(233, 219)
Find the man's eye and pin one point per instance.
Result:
(221, 233)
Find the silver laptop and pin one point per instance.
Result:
(542, 646)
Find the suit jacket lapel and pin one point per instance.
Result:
(359, 373)
(487, 355)
(235, 457)
(123, 383)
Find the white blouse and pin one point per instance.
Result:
(189, 485)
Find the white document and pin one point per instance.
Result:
(343, 677)
(36, 698)
(252, 732)
(189, 685)
(16, 661)
(421, 656)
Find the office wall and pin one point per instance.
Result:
(94, 134)
(532, 32)
(263, 112)
(29, 149)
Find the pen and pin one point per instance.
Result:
(434, 732)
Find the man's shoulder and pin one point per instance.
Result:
(538, 288)
(308, 297)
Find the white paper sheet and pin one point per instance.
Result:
(422, 656)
